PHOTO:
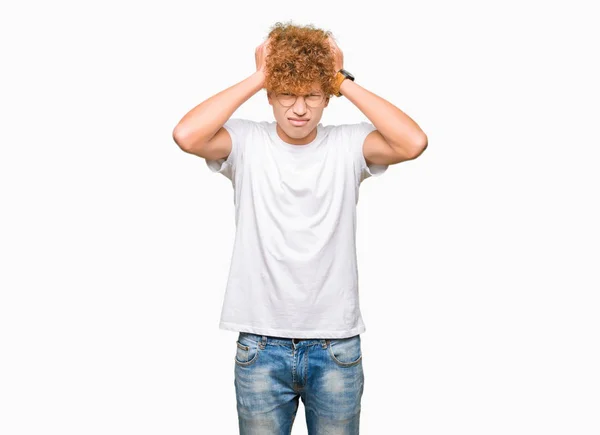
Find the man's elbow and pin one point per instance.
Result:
(418, 149)
(177, 136)
(181, 139)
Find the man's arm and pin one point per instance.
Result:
(197, 129)
(201, 130)
(397, 137)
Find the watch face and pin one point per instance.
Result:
(347, 74)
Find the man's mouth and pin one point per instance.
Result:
(298, 122)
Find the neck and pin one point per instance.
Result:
(296, 141)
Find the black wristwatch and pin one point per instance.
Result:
(340, 77)
(347, 74)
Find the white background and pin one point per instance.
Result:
(478, 261)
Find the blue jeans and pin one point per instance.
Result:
(273, 373)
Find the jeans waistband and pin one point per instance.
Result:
(264, 339)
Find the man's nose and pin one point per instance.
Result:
(299, 106)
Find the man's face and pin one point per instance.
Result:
(306, 107)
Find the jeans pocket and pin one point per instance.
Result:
(345, 352)
(246, 351)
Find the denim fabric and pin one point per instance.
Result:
(273, 373)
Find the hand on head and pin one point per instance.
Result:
(260, 54)
(338, 56)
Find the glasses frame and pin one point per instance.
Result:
(296, 99)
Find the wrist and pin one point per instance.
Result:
(344, 85)
(259, 79)
(341, 77)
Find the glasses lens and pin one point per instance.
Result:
(312, 100)
(286, 99)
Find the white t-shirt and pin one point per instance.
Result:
(293, 271)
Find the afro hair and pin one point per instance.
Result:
(299, 57)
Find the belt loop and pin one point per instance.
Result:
(263, 341)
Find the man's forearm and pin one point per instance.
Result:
(201, 123)
(398, 129)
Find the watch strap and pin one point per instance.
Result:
(340, 76)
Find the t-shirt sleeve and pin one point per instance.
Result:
(359, 134)
(238, 129)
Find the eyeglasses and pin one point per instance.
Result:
(287, 100)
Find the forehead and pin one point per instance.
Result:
(312, 91)
(316, 87)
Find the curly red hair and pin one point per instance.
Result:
(299, 56)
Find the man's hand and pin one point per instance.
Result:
(260, 54)
(338, 56)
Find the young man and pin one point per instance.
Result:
(292, 290)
